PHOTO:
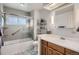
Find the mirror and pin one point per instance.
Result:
(64, 17)
(63, 20)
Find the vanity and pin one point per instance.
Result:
(57, 45)
(66, 21)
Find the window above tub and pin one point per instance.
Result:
(16, 20)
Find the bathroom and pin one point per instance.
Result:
(39, 29)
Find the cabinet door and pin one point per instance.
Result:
(56, 47)
(44, 50)
(43, 47)
(49, 51)
(56, 53)
(70, 52)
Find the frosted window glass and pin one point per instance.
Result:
(11, 20)
(16, 20)
(21, 21)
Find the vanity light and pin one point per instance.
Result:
(52, 6)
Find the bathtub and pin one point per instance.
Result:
(19, 48)
(17, 41)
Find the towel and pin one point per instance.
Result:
(0, 42)
(0, 33)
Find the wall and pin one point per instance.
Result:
(76, 8)
(1, 7)
(46, 15)
(37, 15)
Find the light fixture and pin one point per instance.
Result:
(52, 6)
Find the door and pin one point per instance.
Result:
(16, 27)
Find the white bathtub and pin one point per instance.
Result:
(18, 48)
(17, 41)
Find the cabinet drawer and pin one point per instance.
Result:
(56, 47)
(44, 42)
(70, 52)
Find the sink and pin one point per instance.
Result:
(62, 38)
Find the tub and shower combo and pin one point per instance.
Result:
(17, 40)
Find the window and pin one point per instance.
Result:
(11, 20)
(16, 20)
(21, 21)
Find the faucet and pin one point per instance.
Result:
(62, 38)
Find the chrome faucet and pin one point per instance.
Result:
(62, 38)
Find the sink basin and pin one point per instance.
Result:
(62, 38)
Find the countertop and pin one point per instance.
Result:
(56, 39)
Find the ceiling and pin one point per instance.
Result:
(24, 6)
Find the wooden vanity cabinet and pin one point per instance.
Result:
(70, 52)
(53, 52)
(56, 47)
(43, 51)
(43, 47)
(48, 48)
(49, 51)
(57, 53)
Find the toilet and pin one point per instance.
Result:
(35, 44)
